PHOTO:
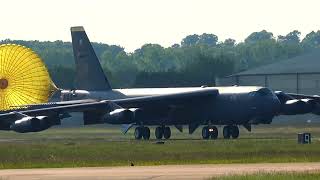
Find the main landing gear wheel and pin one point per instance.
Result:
(146, 133)
(213, 132)
(142, 132)
(159, 133)
(230, 131)
(205, 132)
(226, 132)
(167, 132)
(234, 132)
(164, 132)
(138, 132)
(209, 132)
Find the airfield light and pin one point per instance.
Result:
(24, 78)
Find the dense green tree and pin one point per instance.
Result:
(259, 36)
(208, 39)
(62, 76)
(190, 40)
(229, 42)
(291, 38)
(312, 40)
(197, 61)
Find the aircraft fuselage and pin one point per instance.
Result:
(233, 106)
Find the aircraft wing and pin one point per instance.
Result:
(176, 99)
(55, 111)
(114, 112)
(105, 106)
(302, 103)
(304, 96)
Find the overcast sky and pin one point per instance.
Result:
(132, 23)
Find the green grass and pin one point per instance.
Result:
(273, 176)
(98, 146)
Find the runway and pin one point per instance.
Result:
(155, 172)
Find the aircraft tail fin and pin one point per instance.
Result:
(89, 73)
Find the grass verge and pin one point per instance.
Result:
(79, 147)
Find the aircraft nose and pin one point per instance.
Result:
(270, 105)
(267, 106)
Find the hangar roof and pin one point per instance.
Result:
(307, 63)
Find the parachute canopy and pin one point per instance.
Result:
(24, 78)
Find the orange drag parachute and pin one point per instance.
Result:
(24, 78)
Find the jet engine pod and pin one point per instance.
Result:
(31, 124)
(120, 116)
(298, 106)
(24, 78)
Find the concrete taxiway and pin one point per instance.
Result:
(155, 172)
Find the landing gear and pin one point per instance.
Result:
(138, 133)
(167, 132)
(230, 131)
(226, 132)
(213, 132)
(146, 133)
(234, 132)
(159, 133)
(209, 132)
(205, 132)
(142, 132)
(164, 132)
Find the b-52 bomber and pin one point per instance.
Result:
(209, 106)
(230, 107)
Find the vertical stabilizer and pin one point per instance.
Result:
(89, 73)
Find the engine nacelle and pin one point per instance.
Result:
(120, 116)
(298, 106)
(31, 124)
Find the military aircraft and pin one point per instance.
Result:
(194, 106)
(163, 107)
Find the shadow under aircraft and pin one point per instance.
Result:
(141, 108)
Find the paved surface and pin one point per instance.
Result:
(154, 172)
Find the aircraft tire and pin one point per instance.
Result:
(205, 132)
(146, 133)
(167, 132)
(159, 133)
(226, 132)
(214, 133)
(138, 132)
(234, 132)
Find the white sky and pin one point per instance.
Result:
(132, 23)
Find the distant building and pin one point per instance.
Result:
(300, 74)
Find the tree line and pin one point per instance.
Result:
(196, 60)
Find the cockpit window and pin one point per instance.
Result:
(264, 92)
(261, 92)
